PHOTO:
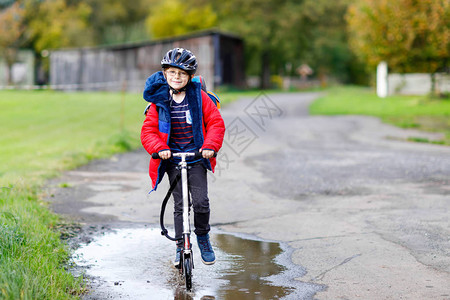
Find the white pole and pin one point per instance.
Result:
(382, 79)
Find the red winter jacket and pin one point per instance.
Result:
(207, 123)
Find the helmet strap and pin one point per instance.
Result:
(177, 91)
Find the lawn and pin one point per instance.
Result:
(420, 112)
(43, 131)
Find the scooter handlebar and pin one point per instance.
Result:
(155, 155)
(196, 154)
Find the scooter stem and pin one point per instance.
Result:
(184, 186)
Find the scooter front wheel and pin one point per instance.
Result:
(188, 273)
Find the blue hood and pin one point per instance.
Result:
(156, 88)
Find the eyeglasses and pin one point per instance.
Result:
(179, 73)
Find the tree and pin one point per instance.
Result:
(119, 21)
(327, 50)
(284, 33)
(266, 27)
(176, 17)
(410, 35)
(6, 3)
(11, 29)
(56, 23)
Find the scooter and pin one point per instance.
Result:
(186, 256)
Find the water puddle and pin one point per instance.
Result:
(136, 263)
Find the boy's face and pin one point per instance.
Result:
(176, 78)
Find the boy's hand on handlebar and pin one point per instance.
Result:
(207, 153)
(165, 154)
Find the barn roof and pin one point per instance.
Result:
(177, 38)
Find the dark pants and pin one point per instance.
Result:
(198, 190)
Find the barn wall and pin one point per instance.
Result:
(113, 68)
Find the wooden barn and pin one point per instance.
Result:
(220, 58)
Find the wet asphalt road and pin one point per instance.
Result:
(365, 213)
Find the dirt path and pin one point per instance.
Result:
(366, 213)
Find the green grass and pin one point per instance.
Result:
(42, 134)
(43, 131)
(419, 112)
(32, 256)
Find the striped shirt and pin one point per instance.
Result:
(181, 135)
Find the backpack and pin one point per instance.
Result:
(214, 98)
(211, 94)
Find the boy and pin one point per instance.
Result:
(182, 118)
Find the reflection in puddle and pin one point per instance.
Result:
(137, 264)
(249, 263)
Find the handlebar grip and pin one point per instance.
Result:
(200, 155)
(155, 155)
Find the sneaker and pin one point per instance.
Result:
(207, 252)
(176, 263)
